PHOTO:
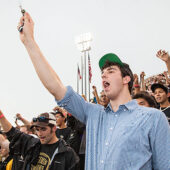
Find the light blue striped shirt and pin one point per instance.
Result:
(132, 138)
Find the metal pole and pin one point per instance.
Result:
(77, 80)
(89, 78)
(82, 74)
(85, 73)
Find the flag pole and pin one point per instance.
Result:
(85, 74)
(82, 74)
(89, 75)
(77, 79)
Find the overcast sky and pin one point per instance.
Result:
(133, 29)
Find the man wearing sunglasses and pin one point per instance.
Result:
(47, 152)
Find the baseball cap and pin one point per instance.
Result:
(44, 119)
(158, 85)
(110, 57)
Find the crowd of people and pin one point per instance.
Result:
(125, 126)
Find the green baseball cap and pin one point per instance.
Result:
(110, 57)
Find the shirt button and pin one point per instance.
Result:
(101, 161)
(111, 128)
(116, 115)
(125, 110)
(106, 143)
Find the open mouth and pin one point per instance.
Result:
(106, 84)
(42, 138)
(158, 98)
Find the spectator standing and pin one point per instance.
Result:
(120, 136)
(161, 95)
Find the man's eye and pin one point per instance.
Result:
(43, 129)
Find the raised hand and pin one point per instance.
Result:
(163, 55)
(18, 116)
(135, 77)
(27, 33)
(142, 74)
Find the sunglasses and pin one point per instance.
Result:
(41, 119)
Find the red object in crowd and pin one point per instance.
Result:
(90, 72)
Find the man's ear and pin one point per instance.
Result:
(54, 128)
(126, 79)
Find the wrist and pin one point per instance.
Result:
(1, 115)
(29, 43)
(136, 86)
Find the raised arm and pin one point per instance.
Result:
(136, 84)
(164, 56)
(6, 125)
(96, 94)
(45, 72)
(23, 120)
(167, 78)
(142, 81)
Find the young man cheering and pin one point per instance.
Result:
(121, 136)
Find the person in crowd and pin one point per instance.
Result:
(161, 96)
(167, 79)
(123, 135)
(62, 131)
(45, 152)
(23, 120)
(104, 100)
(26, 127)
(96, 98)
(77, 138)
(71, 131)
(7, 160)
(28, 130)
(136, 85)
(145, 99)
(2, 138)
(142, 81)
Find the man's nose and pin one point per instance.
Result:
(104, 75)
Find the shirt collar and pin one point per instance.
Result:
(131, 105)
(108, 108)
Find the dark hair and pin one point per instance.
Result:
(125, 71)
(51, 127)
(145, 95)
(59, 113)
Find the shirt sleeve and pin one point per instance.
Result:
(20, 143)
(160, 143)
(76, 105)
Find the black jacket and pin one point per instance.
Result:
(27, 149)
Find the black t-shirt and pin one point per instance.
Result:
(46, 153)
(63, 133)
(166, 110)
